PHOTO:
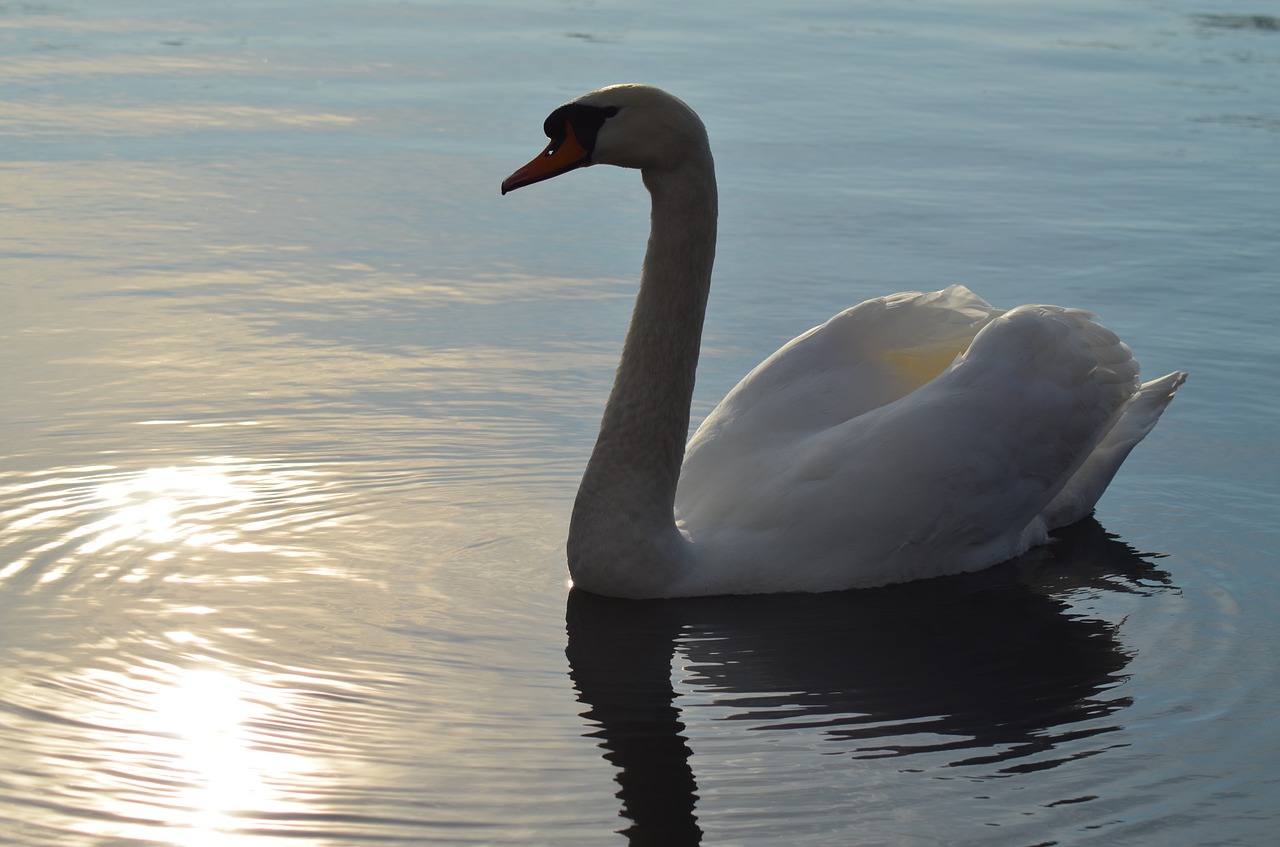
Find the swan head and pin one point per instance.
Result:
(630, 126)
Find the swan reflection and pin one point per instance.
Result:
(991, 671)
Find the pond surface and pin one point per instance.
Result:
(295, 405)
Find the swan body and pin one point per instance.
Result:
(911, 436)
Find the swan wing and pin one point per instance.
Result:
(951, 476)
(861, 359)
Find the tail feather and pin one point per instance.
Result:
(1136, 419)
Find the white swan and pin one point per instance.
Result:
(911, 436)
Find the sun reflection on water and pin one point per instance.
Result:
(148, 507)
(156, 723)
(132, 526)
(188, 759)
(206, 713)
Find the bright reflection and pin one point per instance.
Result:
(195, 766)
(135, 121)
(206, 714)
(149, 518)
(159, 739)
(149, 506)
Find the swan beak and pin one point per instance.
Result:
(561, 155)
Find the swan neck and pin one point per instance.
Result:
(624, 511)
(653, 390)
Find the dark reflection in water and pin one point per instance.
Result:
(992, 669)
(1251, 23)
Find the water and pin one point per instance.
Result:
(295, 404)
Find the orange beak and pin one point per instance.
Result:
(559, 157)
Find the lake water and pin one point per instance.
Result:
(295, 404)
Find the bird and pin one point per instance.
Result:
(912, 436)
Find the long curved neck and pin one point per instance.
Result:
(623, 538)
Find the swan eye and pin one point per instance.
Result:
(584, 121)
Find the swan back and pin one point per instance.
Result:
(916, 473)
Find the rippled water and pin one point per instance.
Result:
(295, 404)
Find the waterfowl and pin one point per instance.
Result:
(911, 436)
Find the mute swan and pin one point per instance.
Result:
(911, 436)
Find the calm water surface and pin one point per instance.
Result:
(294, 406)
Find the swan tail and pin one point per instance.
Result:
(1040, 405)
(1134, 421)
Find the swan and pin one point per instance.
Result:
(911, 436)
